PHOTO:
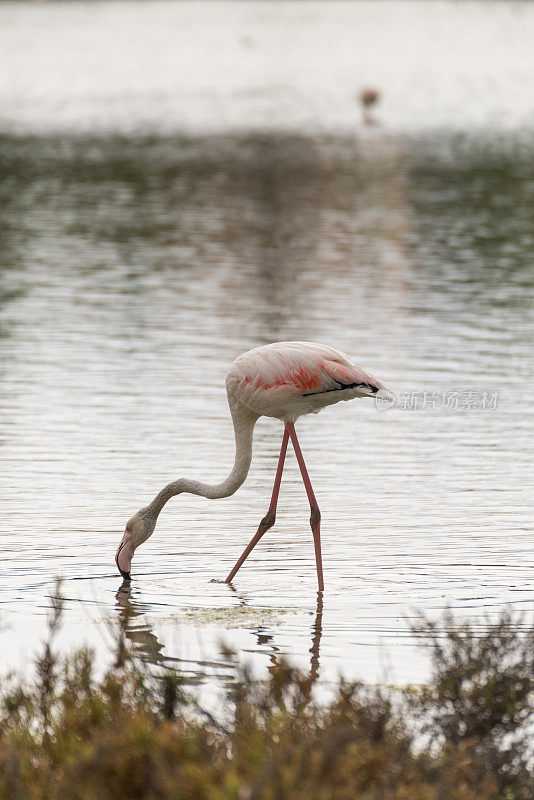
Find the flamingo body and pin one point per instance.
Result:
(288, 379)
(369, 96)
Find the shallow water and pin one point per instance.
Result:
(134, 268)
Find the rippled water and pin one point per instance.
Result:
(134, 268)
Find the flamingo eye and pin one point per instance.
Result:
(128, 527)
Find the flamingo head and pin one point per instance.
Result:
(138, 529)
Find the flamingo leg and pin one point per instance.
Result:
(315, 516)
(269, 519)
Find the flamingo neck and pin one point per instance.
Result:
(244, 422)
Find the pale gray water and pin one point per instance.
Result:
(135, 267)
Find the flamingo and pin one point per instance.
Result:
(369, 96)
(283, 380)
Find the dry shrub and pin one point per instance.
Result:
(134, 735)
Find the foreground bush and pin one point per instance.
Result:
(134, 736)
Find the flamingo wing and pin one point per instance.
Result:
(268, 377)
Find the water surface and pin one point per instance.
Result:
(136, 262)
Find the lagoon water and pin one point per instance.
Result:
(184, 181)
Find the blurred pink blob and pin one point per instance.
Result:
(369, 96)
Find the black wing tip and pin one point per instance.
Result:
(342, 386)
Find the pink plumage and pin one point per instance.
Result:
(288, 379)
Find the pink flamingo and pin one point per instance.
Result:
(283, 380)
(369, 96)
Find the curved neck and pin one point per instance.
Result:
(244, 422)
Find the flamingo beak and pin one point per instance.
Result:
(124, 555)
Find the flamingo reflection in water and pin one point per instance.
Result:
(138, 630)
